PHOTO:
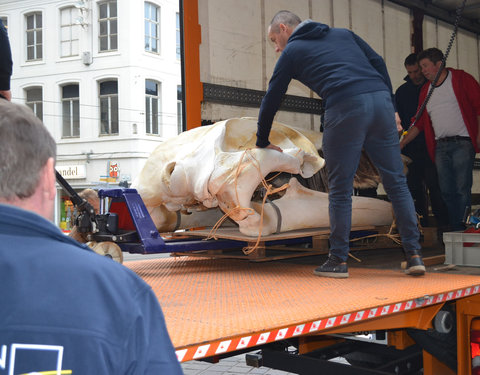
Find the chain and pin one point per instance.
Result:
(459, 12)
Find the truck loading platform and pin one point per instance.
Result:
(216, 306)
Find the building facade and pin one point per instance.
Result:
(105, 78)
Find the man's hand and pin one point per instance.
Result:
(398, 122)
(7, 94)
(273, 147)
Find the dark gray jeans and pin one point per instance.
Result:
(365, 121)
(454, 161)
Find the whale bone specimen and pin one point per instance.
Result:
(219, 166)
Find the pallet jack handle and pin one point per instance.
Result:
(86, 217)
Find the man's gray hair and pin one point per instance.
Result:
(25, 147)
(286, 17)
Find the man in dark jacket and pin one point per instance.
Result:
(64, 309)
(353, 81)
(422, 176)
(5, 63)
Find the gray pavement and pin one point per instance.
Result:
(227, 366)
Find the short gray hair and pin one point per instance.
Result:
(286, 17)
(25, 147)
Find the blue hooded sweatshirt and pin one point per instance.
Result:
(335, 63)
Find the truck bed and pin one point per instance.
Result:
(215, 306)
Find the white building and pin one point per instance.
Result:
(103, 75)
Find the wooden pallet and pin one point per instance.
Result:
(319, 238)
(262, 252)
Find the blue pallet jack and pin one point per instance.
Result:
(125, 221)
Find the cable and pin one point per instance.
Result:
(459, 12)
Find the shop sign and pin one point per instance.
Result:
(72, 171)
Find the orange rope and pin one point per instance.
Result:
(395, 237)
(268, 191)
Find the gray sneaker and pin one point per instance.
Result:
(333, 267)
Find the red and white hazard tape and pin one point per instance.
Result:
(221, 347)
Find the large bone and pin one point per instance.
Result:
(210, 166)
(304, 208)
(219, 166)
(168, 221)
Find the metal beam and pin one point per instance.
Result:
(472, 6)
(443, 14)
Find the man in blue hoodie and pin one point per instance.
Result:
(353, 81)
(64, 309)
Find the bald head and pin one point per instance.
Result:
(284, 17)
(281, 27)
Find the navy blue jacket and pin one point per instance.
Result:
(335, 63)
(63, 307)
(5, 59)
(406, 102)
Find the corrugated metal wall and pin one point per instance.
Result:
(235, 50)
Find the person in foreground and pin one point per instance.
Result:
(353, 81)
(64, 308)
(450, 123)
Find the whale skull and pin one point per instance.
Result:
(219, 166)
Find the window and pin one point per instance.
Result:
(109, 107)
(108, 26)
(71, 111)
(35, 101)
(4, 21)
(152, 28)
(178, 36)
(179, 109)
(152, 107)
(69, 32)
(34, 36)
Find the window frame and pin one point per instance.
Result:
(34, 105)
(5, 21)
(109, 99)
(35, 31)
(109, 36)
(179, 109)
(71, 26)
(149, 115)
(178, 36)
(152, 23)
(71, 101)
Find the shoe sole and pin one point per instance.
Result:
(336, 275)
(416, 271)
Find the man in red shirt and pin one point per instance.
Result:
(450, 122)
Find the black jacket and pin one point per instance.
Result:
(5, 59)
(406, 103)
